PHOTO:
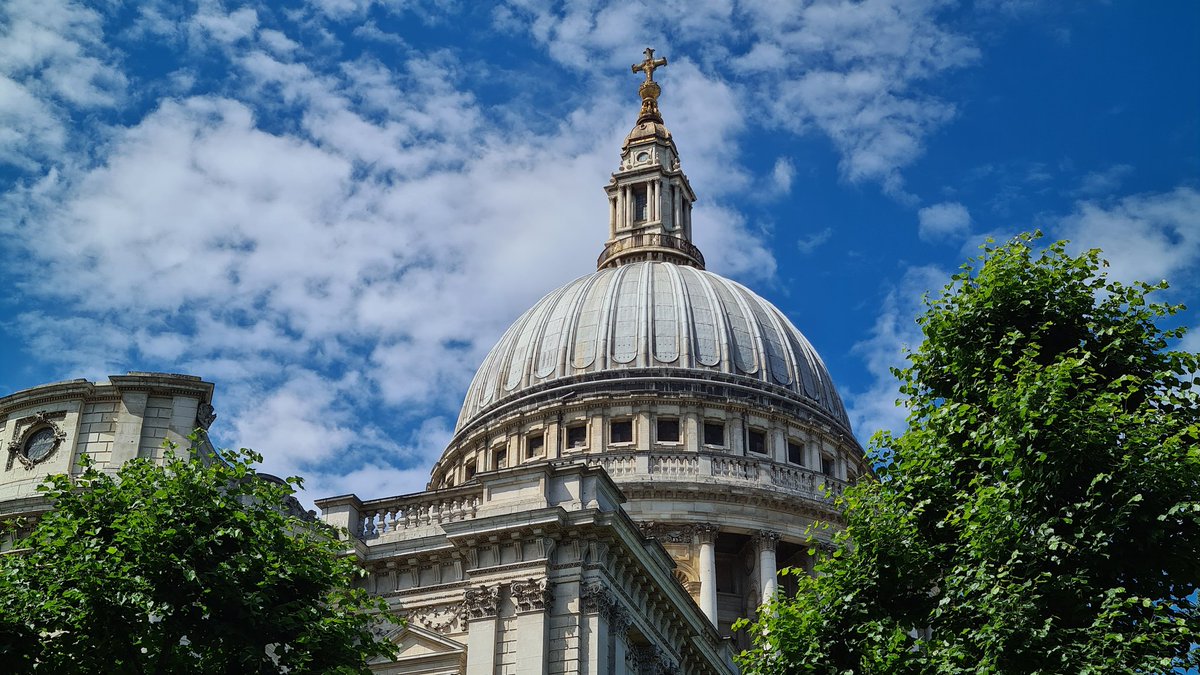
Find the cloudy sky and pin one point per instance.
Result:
(333, 208)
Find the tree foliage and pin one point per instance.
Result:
(183, 567)
(1041, 514)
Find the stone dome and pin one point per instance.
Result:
(658, 316)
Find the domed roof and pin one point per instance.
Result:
(657, 315)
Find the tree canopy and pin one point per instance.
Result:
(1041, 513)
(185, 567)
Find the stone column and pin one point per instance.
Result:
(480, 605)
(612, 217)
(533, 599)
(768, 580)
(597, 605)
(707, 534)
(676, 198)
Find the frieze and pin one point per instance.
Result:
(439, 619)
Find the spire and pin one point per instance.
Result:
(650, 200)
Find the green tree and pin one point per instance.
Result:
(1041, 514)
(190, 566)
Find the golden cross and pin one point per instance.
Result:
(649, 64)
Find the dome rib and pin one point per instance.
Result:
(651, 315)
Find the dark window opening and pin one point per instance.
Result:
(639, 204)
(501, 460)
(576, 436)
(758, 442)
(472, 467)
(714, 433)
(795, 453)
(827, 465)
(668, 431)
(534, 445)
(621, 431)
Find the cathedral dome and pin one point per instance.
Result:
(675, 320)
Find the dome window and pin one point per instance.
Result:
(667, 430)
(500, 459)
(620, 431)
(757, 441)
(535, 445)
(827, 465)
(795, 453)
(577, 436)
(472, 468)
(714, 434)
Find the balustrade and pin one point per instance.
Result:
(394, 515)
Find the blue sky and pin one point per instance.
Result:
(333, 208)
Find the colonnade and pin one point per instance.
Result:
(765, 543)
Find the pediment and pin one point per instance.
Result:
(422, 651)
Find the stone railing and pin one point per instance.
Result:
(651, 241)
(382, 516)
(710, 467)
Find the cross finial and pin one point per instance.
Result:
(649, 65)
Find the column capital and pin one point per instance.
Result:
(480, 602)
(706, 533)
(533, 595)
(766, 539)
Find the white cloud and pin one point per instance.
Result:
(1103, 182)
(383, 240)
(895, 333)
(807, 245)
(52, 55)
(945, 221)
(850, 70)
(782, 175)
(1146, 237)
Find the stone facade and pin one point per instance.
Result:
(635, 461)
(529, 570)
(112, 422)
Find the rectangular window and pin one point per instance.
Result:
(621, 431)
(577, 436)
(714, 433)
(668, 431)
(501, 459)
(827, 465)
(757, 441)
(639, 204)
(472, 467)
(795, 453)
(534, 445)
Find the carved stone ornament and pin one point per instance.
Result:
(442, 619)
(653, 660)
(479, 603)
(619, 621)
(597, 598)
(532, 595)
(669, 533)
(766, 539)
(206, 415)
(35, 438)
